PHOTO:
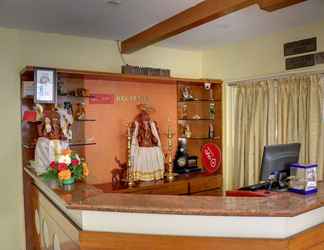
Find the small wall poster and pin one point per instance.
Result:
(45, 82)
(102, 99)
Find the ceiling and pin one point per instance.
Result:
(97, 18)
(248, 23)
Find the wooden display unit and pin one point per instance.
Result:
(74, 79)
(201, 111)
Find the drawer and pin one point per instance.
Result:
(175, 188)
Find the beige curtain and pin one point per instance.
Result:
(273, 112)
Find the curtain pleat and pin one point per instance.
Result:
(276, 111)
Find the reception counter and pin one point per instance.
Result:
(136, 221)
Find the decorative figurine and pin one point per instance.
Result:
(68, 107)
(119, 174)
(184, 111)
(50, 126)
(66, 121)
(186, 94)
(82, 92)
(188, 132)
(212, 111)
(196, 117)
(146, 153)
(211, 131)
(80, 111)
(51, 141)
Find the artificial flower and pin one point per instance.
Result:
(64, 159)
(64, 175)
(75, 162)
(53, 165)
(85, 169)
(66, 152)
(62, 167)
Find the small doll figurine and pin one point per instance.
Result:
(80, 111)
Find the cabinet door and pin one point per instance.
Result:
(57, 232)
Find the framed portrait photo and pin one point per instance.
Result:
(45, 85)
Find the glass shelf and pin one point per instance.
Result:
(74, 96)
(192, 119)
(81, 144)
(197, 100)
(200, 138)
(85, 120)
(73, 144)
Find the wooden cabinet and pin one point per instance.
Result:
(198, 184)
(199, 117)
(49, 228)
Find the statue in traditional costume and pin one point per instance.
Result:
(146, 152)
(52, 138)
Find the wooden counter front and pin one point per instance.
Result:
(121, 221)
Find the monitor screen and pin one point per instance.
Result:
(277, 158)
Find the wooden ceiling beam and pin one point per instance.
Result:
(197, 15)
(201, 13)
(272, 5)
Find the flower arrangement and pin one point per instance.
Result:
(67, 168)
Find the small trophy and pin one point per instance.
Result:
(186, 94)
(212, 111)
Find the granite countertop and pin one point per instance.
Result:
(87, 197)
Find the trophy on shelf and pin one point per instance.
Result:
(187, 94)
(212, 111)
(184, 111)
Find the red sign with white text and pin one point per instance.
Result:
(102, 99)
(211, 157)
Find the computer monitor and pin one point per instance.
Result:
(277, 158)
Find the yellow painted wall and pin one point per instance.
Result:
(257, 57)
(19, 48)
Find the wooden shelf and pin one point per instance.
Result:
(28, 73)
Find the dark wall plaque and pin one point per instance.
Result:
(319, 58)
(300, 47)
(300, 61)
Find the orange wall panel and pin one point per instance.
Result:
(109, 130)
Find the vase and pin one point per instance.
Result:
(68, 185)
(53, 184)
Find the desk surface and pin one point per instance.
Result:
(87, 197)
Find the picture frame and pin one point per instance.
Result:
(45, 80)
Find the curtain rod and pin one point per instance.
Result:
(272, 76)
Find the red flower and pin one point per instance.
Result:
(75, 162)
(53, 165)
(61, 167)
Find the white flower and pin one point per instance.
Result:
(64, 159)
